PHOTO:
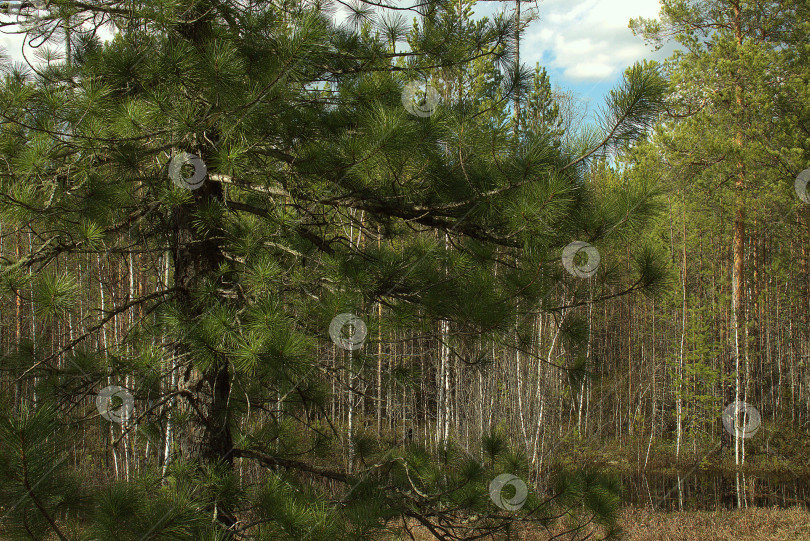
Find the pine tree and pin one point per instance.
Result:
(731, 137)
(263, 155)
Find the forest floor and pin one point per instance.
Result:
(754, 524)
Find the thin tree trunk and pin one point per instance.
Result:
(738, 280)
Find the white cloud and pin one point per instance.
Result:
(588, 40)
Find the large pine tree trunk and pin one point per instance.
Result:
(207, 439)
(197, 258)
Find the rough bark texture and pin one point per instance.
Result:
(197, 258)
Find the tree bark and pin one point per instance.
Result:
(738, 274)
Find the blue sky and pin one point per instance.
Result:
(585, 45)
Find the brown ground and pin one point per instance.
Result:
(755, 524)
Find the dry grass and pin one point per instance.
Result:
(755, 524)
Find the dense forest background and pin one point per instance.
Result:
(269, 277)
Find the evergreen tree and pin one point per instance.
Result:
(542, 114)
(255, 164)
(731, 134)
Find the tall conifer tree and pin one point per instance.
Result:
(257, 167)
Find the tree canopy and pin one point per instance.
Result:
(225, 214)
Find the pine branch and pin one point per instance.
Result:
(106, 319)
(275, 462)
(633, 108)
(30, 493)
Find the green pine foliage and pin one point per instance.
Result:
(323, 195)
